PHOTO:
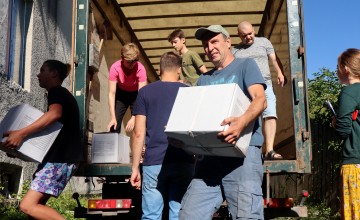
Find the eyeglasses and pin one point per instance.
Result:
(131, 61)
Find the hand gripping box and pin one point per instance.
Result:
(197, 114)
(35, 147)
(110, 148)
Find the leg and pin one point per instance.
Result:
(242, 187)
(269, 124)
(120, 109)
(33, 204)
(123, 101)
(200, 201)
(180, 176)
(269, 134)
(49, 180)
(152, 197)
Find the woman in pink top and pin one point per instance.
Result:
(126, 77)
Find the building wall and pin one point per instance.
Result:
(48, 37)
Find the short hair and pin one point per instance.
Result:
(170, 61)
(176, 33)
(130, 52)
(61, 68)
(351, 59)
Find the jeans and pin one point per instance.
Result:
(237, 179)
(164, 183)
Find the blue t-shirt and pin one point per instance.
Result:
(245, 73)
(155, 101)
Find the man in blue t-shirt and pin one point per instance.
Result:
(237, 179)
(167, 171)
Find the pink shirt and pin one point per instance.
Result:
(127, 80)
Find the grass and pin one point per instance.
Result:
(64, 204)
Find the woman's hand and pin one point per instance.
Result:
(112, 123)
(130, 125)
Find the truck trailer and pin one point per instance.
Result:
(107, 25)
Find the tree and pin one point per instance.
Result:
(326, 147)
(324, 86)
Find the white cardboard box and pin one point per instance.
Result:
(197, 114)
(35, 147)
(110, 148)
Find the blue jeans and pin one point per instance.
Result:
(164, 183)
(237, 179)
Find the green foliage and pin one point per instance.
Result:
(321, 211)
(317, 210)
(324, 86)
(64, 204)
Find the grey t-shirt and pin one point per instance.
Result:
(245, 73)
(259, 51)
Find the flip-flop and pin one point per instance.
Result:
(272, 155)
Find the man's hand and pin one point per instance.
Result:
(234, 130)
(14, 139)
(135, 179)
(281, 80)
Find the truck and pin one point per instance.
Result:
(100, 28)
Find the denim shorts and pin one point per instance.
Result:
(240, 185)
(270, 110)
(51, 178)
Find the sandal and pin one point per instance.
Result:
(272, 155)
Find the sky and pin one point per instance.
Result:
(330, 28)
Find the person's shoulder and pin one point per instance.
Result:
(243, 60)
(58, 89)
(140, 64)
(116, 64)
(262, 40)
(237, 47)
(191, 53)
(351, 88)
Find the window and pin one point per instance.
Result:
(19, 19)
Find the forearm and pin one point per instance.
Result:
(136, 148)
(14, 138)
(45, 120)
(275, 64)
(138, 139)
(255, 109)
(112, 105)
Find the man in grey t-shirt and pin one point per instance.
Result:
(261, 50)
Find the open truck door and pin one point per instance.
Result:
(283, 25)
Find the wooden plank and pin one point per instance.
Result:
(200, 21)
(125, 3)
(190, 8)
(189, 33)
